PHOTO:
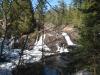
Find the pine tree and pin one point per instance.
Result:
(22, 19)
(89, 34)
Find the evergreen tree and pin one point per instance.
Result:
(23, 16)
(88, 51)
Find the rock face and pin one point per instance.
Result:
(54, 40)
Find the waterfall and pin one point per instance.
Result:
(68, 40)
(61, 49)
(36, 53)
(33, 55)
(11, 42)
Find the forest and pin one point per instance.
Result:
(39, 38)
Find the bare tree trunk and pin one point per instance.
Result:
(5, 12)
(21, 54)
(41, 10)
(94, 65)
(5, 34)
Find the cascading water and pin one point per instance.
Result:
(68, 40)
(33, 55)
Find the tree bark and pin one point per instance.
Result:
(4, 24)
(94, 65)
